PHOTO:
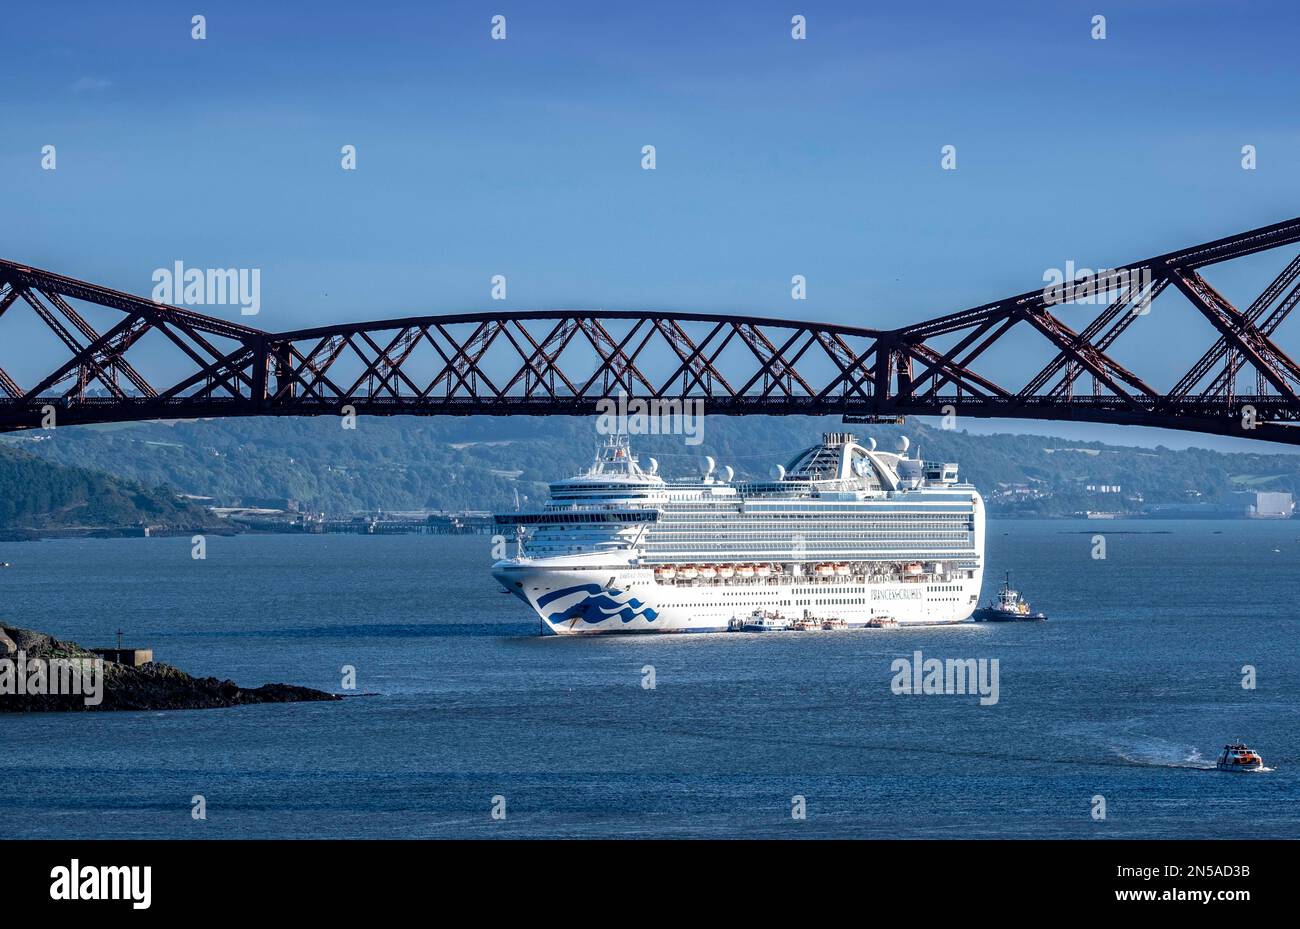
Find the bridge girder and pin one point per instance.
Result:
(564, 362)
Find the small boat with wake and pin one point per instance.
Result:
(1236, 757)
(1009, 607)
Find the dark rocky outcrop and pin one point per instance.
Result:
(153, 686)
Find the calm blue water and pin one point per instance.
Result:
(1128, 692)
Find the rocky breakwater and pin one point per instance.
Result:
(39, 673)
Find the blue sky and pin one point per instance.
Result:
(522, 157)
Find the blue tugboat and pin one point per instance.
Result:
(1009, 607)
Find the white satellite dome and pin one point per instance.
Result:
(903, 443)
(709, 465)
(778, 472)
(654, 467)
(727, 474)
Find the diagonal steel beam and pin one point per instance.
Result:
(540, 375)
(962, 376)
(1220, 348)
(113, 358)
(604, 368)
(546, 352)
(1085, 340)
(1269, 360)
(953, 372)
(9, 385)
(691, 356)
(772, 360)
(1098, 363)
(85, 357)
(613, 358)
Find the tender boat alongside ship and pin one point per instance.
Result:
(843, 534)
(760, 621)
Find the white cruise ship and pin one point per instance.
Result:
(843, 533)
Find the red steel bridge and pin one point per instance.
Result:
(551, 362)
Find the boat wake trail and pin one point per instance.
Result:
(1157, 754)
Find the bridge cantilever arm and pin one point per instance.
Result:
(1237, 329)
(23, 276)
(1225, 249)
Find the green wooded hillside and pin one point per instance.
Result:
(38, 494)
(408, 463)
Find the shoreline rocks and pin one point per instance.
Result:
(152, 686)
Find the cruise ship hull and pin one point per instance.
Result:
(597, 601)
(845, 535)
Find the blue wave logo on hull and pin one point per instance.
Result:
(599, 606)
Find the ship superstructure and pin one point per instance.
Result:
(842, 532)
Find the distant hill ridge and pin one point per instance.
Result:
(38, 495)
(409, 463)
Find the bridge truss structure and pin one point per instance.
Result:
(112, 345)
